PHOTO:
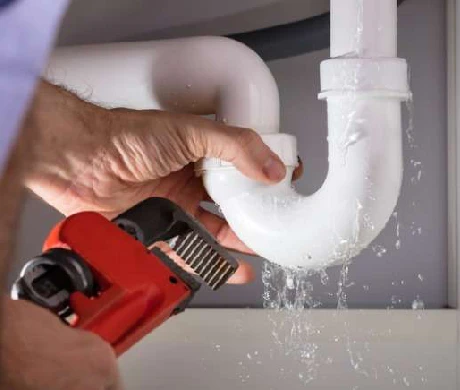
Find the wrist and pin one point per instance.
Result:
(67, 136)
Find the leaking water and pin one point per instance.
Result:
(418, 304)
(291, 290)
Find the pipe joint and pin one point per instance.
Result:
(373, 77)
(284, 145)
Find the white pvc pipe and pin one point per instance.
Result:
(203, 75)
(364, 28)
(363, 88)
(350, 209)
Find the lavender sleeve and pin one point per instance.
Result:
(27, 32)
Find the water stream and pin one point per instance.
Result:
(291, 290)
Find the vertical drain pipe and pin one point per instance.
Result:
(364, 84)
(364, 28)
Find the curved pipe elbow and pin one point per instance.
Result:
(346, 214)
(215, 75)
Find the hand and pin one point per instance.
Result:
(37, 351)
(90, 158)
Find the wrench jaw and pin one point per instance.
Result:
(159, 219)
(213, 267)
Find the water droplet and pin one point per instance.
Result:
(324, 278)
(420, 277)
(290, 283)
(188, 86)
(379, 250)
(398, 244)
(366, 287)
(406, 382)
(368, 222)
(415, 230)
(418, 304)
(249, 356)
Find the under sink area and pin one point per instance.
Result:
(227, 340)
(120, 20)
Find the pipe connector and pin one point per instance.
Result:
(370, 77)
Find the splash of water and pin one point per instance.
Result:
(418, 304)
(291, 289)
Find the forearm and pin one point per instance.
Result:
(11, 196)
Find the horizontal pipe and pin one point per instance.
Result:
(203, 76)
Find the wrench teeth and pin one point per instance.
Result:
(161, 220)
(203, 258)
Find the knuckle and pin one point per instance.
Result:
(196, 141)
(246, 139)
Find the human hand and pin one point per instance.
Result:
(37, 351)
(90, 158)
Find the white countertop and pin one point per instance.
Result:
(236, 349)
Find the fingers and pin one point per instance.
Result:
(219, 228)
(189, 194)
(242, 147)
(100, 358)
(298, 172)
(243, 275)
(39, 346)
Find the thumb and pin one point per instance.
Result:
(242, 147)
